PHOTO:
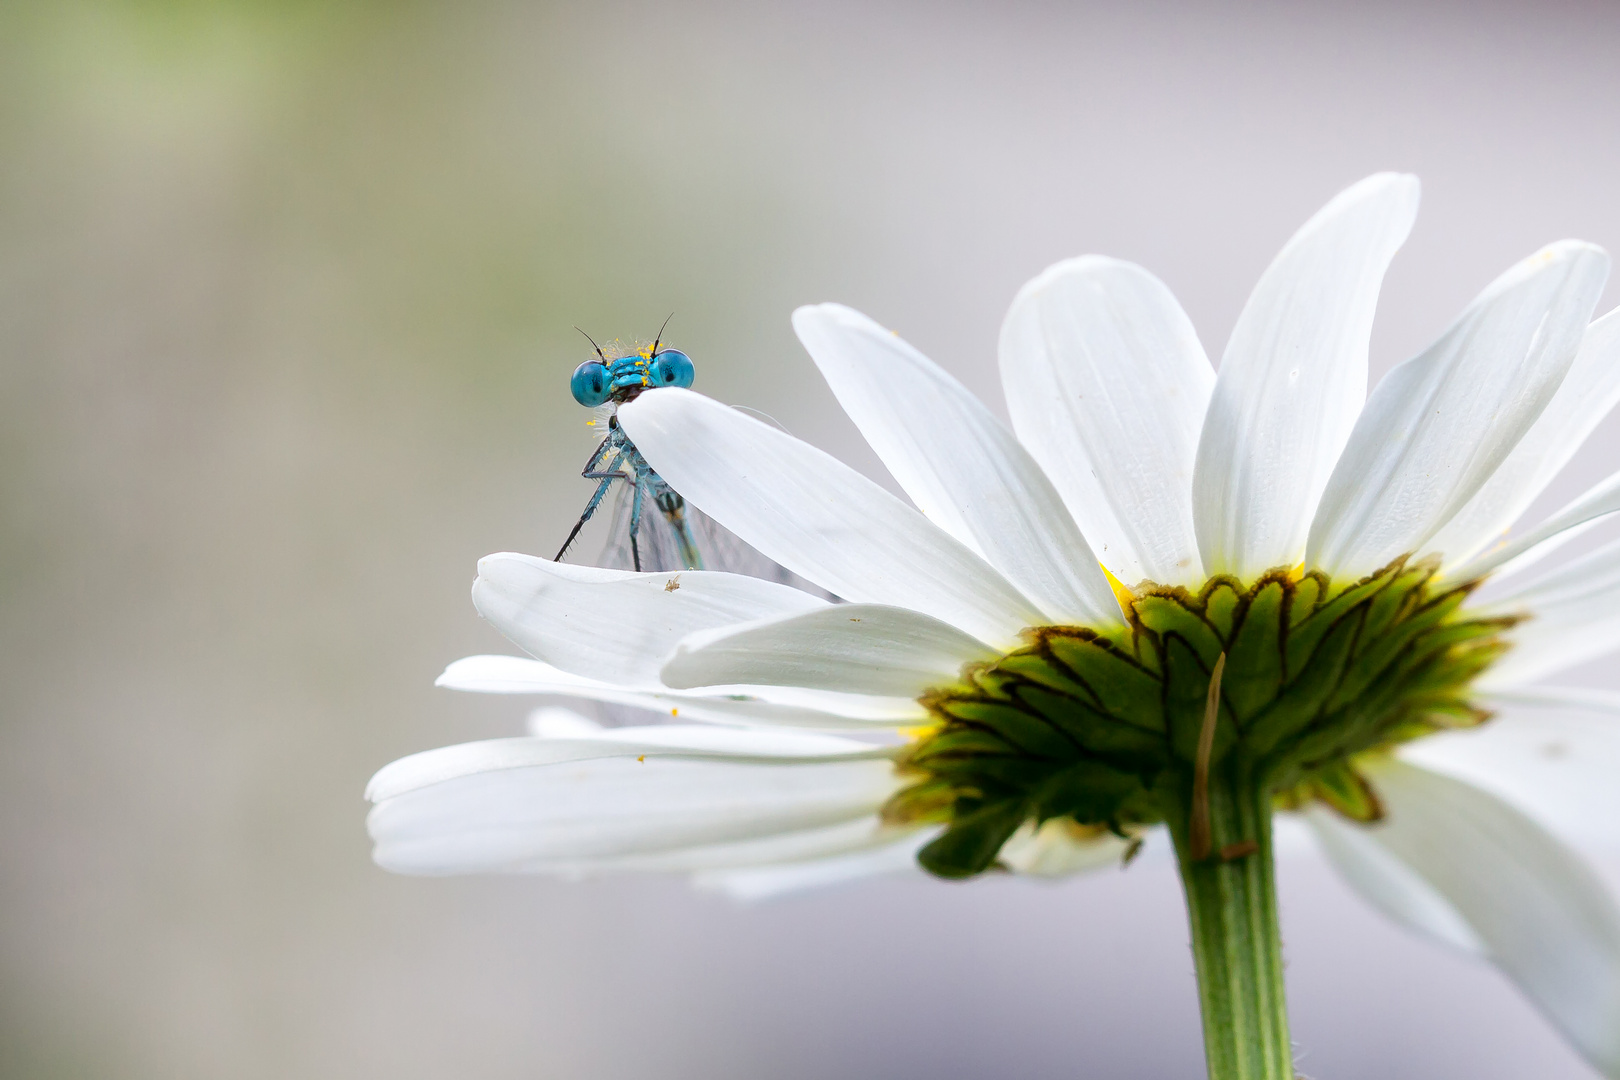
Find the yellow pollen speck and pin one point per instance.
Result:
(1121, 592)
(674, 712)
(641, 757)
(590, 423)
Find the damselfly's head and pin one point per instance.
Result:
(622, 378)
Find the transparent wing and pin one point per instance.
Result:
(655, 540)
(725, 550)
(718, 547)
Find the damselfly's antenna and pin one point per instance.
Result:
(660, 336)
(597, 347)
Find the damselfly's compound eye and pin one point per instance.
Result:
(590, 383)
(671, 368)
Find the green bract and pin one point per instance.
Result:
(1103, 726)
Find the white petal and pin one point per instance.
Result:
(749, 705)
(1057, 849)
(1556, 759)
(1293, 378)
(1535, 554)
(1588, 393)
(1389, 884)
(655, 740)
(1578, 698)
(889, 857)
(1599, 501)
(853, 839)
(959, 464)
(820, 518)
(615, 624)
(554, 722)
(1574, 616)
(1438, 426)
(566, 816)
(1108, 385)
(1540, 913)
(1291, 836)
(854, 648)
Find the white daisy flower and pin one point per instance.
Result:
(1166, 597)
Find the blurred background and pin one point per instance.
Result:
(286, 306)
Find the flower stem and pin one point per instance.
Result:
(1232, 908)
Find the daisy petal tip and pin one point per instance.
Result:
(808, 317)
(1406, 184)
(502, 564)
(456, 674)
(1396, 188)
(377, 788)
(1389, 196)
(1080, 270)
(1074, 266)
(1579, 256)
(828, 326)
(1585, 250)
(1572, 248)
(675, 673)
(828, 311)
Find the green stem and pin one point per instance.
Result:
(1232, 909)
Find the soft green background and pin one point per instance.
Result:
(286, 306)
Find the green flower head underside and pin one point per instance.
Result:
(1103, 727)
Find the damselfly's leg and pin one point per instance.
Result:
(614, 471)
(602, 450)
(607, 476)
(635, 527)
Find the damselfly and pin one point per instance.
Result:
(610, 383)
(679, 536)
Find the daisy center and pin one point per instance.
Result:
(1284, 679)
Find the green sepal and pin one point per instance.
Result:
(1040, 669)
(1257, 651)
(1340, 786)
(1305, 595)
(930, 801)
(1121, 686)
(1170, 616)
(1382, 643)
(1305, 636)
(1222, 598)
(958, 741)
(1096, 732)
(1299, 703)
(974, 839)
(1087, 791)
(1027, 731)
